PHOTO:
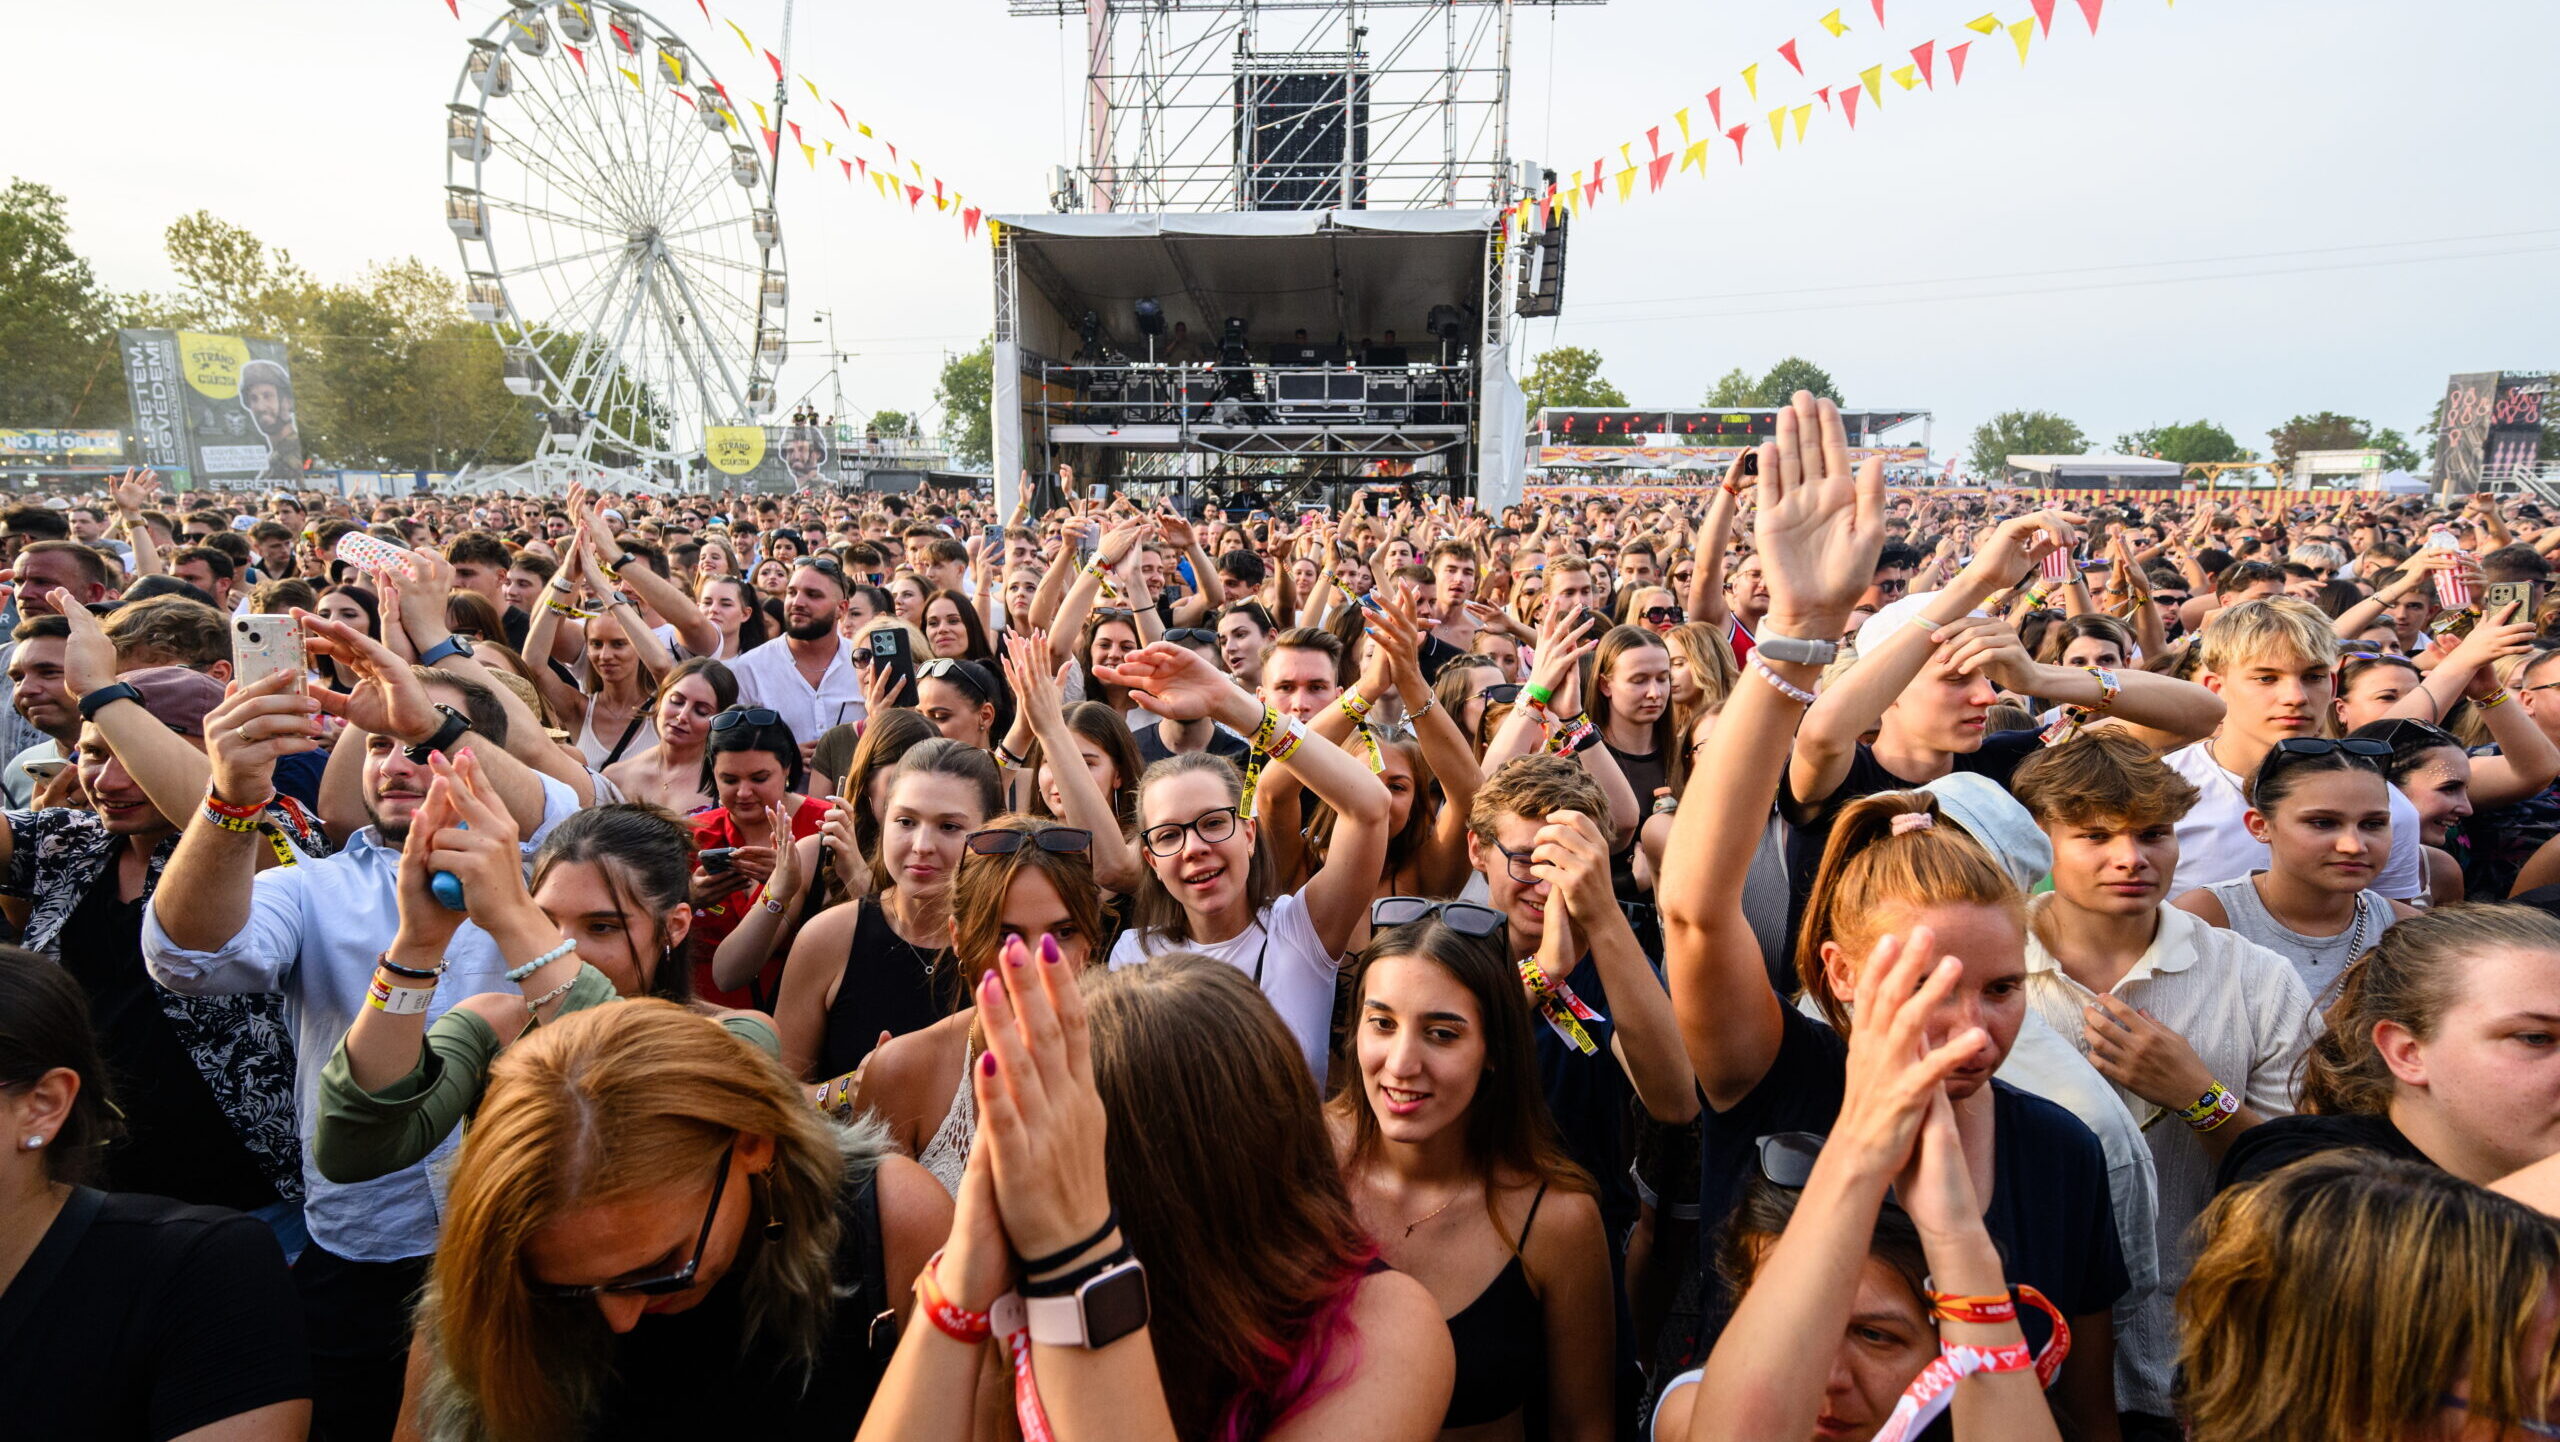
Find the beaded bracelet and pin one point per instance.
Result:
(1785, 688)
(519, 973)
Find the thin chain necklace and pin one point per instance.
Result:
(1452, 1200)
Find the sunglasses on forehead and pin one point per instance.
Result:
(1003, 841)
(959, 673)
(1192, 636)
(737, 716)
(1463, 917)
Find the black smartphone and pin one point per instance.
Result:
(894, 656)
(716, 860)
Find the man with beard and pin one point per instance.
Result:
(313, 933)
(266, 393)
(37, 695)
(806, 674)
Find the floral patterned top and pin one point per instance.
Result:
(241, 1044)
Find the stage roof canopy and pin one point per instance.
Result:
(1355, 274)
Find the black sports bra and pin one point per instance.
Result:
(1501, 1341)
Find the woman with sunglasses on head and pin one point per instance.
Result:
(882, 962)
(2323, 808)
(755, 770)
(1891, 869)
(1873, 1301)
(650, 1233)
(2430, 767)
(962, 699)
(1208, 885)
(772, 580)
(1453, 1165)
(1467, 685)
(670, 774)
(604, 919)
(1021, 878)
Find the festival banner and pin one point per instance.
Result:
(215, 407)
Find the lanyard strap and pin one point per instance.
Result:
(1934, 1390)
(1012, 1321)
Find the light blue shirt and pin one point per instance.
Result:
(314, 933)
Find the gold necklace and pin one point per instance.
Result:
(1435, 1211)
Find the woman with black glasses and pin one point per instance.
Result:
(1453, 1165)
(761, 783)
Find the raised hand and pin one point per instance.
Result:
(387, 698)
(784, 883)
(135, 491)
(88, 657)
(1180, 685)
(2019, 545)
(256, 724)
(1893, 1071)
(426, 925)
(1038, 1111)
(1821, 524)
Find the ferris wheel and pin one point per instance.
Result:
(617, 230)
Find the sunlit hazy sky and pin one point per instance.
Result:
(2232, 209)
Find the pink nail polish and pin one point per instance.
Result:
(987, 1063)
(1048, 949)
(990, 987)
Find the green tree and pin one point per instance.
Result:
(2327, 431)
(2399, 455)
(890, 424)
(2186, 442)
(1570, 376)
(57, 324)
(2022, 433)
(1733, 388)
(1794, 374)
(965, 392)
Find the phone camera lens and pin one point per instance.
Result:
(255, 638)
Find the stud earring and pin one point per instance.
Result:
(35, 1141)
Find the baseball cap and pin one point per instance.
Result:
(177, 697)
(1883, 623)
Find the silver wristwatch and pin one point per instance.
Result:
(1789, 648)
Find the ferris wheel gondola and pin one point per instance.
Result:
(616, 232)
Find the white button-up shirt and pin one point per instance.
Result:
(769, 676)
(315, 931)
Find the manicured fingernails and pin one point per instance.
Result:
(990, 988)
(1014, 955)
(1048, 950)
(987, 1064)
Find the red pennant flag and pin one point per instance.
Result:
(1955, 62)
(893, 153)
(865, 164)
(937, 194)
(773, 143)
(795, 132)
(576, 54)
(687, 99)
(841, 118)
(1661, 165)
(969, 221)
(848, 169)
(915, 193)
(1653, 137)
(1547, 208)
(1849, 103)
(622, 38)
(1925, 55)
(1789, 51)
(1591, 192)
(1879, 12)
(1715, 105)
(1825, 93)
(724, 91)
(1735, 135)
(776, 62)
(453, 6)
(2089, 12)
(2044, 16)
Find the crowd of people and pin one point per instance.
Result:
(1841, 964)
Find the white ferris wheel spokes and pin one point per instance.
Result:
(611, 213)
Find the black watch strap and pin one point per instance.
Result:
(105, 696)
(1065, 1283)
(455, 726)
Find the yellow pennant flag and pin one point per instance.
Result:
(1682, 115)
(763, 120)
(742, 36)
(1873, 78)
(1984, 24)
(1803, 113)
(1751, 80)
(1626, 153)
(813, 88)
(1907, 76)
(917, 167)
(1573, 193)
(1695, 155)
(809, 153)
(1832, 23)
(2021, 33)
(831, 147)
(1626, 184)
(1778, 128)
(865, 129)
(631, 75)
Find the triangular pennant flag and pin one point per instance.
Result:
(2022, 32)
(1873, 78)
(863, 162)
(1626, 184)
(1849, 104)
(915, 193)
(454, 7)
(775, 61)
(893, 153)
(1802, 113)
(1682, 115)
(2089, 12)
(1879, 12)
(706, 10)
(2044, 15)
(1983, 23)
(763, 121)
(810, 154)
(724, 91)
(865, 129)
(1715, 106)
(1778, 128)
(1751, 80)
(742, 37)
(1825, 93)
(1626, 154)
(1907, 76)
(1591, 190)
(969, 221)
(831, 146)
(841, 117)
(1955, 62)
(1660, 166)
(773, 141)
(623, 38)
(813, 88)
(1695, 155)
(576, 54)
(631, 75)
(918, 167)
(1788, 52)
(848, 169)
(1735, 135)
(1653, 137)
(1833, 23)
(687, 99)
(937, 190)
(1925, 55)
(795, 130)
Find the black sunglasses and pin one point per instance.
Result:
(1463, 917)
(820, 561)
(1664, 615)
(2364, 746)
(1192, 636)
(675, 1281)
(1004, 841)
(1787, 1158)
(737, 716)
(959, 673)
(1501, 693)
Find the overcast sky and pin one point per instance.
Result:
(2231, 209)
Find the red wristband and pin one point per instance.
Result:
(949, 1318)
(220, 807)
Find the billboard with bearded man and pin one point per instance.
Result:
(214, 408)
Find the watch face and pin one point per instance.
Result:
(1115, 1305)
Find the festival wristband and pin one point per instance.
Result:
(391, 1000)
(948, 1317)
(1981, 1311)
(1933, 1390)
(2217, 1106)
(1538, 695)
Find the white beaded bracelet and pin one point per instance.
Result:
(519, 973)
(1785, 687)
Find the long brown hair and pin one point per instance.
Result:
(2412, 976)
(1868, 869)
(886, 739)
(2342, 1297)
(1106, 729)
(1511, 1136)
(1321, 818)
(1228, 1191)
(941, 756)
(1711, 661)
(978, 893)
(1669, 743)
(598, 1106)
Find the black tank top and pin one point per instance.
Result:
(890, 984)
(1501, 1341)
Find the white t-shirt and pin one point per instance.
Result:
(2214, 845)
(1281, 952)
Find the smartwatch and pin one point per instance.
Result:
(449, 646)
(1100, 1311)
(455, 725)
(1790, 648)
(106, 696)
